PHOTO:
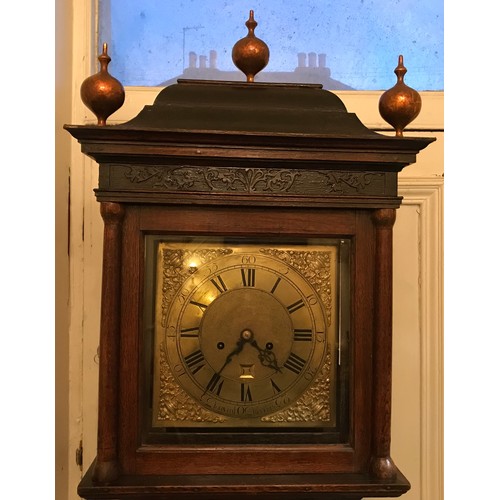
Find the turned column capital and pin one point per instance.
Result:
(384, 217)
(112, 213)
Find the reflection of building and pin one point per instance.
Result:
(311, 68)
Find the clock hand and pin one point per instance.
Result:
(266, 357)
(236, 350)
(239, 347)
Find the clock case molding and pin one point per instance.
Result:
(254, 160)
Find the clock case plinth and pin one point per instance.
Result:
(245, 160)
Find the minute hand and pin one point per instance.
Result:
(236, 350)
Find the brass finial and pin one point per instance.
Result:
(250, 54)
(401, 104)
(102, 93)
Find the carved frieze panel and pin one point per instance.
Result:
(244, 180)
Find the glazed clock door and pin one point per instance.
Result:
(237, 337)
(246, 334)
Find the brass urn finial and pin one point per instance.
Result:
(250, 54)
(401, 104)
(102, 93)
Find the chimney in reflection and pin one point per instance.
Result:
(313, 60)
(192, 59)
(213, 59)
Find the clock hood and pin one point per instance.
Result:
(202, 105)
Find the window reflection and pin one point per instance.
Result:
(311, 68)
(342, 44)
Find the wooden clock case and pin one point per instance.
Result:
(245, 160)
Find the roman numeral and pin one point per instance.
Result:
(199, 304)
(295, 306)
(195, 361)
(246, 395)
(295, 363)
(218, 283)
(189, 332)
(275, 285)
(302, 335)
(248, 277)
(276, 389)
(215, 384)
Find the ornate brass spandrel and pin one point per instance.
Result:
(174, 263)
(316, 266)
(174, 404)
(314, 405)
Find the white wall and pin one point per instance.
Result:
(63, 97)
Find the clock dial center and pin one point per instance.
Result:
(236, 321)
(247, 335)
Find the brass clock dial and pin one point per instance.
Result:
(246, 332)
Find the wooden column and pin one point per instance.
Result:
(382, 465)
(107, 467)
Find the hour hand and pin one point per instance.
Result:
(266, 357)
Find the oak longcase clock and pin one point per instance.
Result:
(247, 297)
